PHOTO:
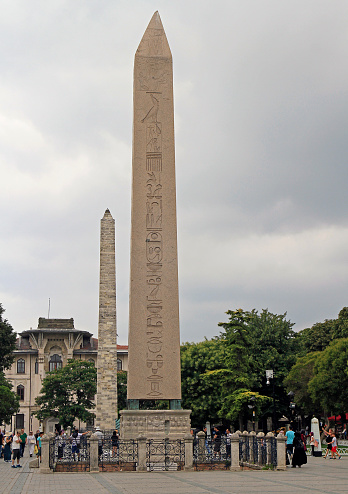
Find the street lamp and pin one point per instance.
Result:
(270, 375)
(252, 406)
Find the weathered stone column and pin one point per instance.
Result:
(235, 451)
(201, 446)
(281, 452)
(188, 452)
(45, 453)
(141, 467)
(106, 409)
(93, 454)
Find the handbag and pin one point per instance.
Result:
(35, 450)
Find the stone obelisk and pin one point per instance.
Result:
(106, 410)
(154, 339)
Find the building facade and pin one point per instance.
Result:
(44, 349)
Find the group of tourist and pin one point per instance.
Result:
(13, 445)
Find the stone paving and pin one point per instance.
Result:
(318, 476)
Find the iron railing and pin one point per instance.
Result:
(165, 454)
(121, 454)
(257, 451)
(210, 454)
(70, 458)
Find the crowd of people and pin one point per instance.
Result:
(12, 446)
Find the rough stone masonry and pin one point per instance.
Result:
(154, 339)
(106, 409)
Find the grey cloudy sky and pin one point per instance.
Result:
(261, 110)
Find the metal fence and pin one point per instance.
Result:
(210, 454)
(65, 455)
(120, 454)
(165, 454)
(258, 451)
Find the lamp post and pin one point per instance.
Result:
(270, 375)
(252, 406)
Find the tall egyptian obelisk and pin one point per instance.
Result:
(154, 339)
(106, 409)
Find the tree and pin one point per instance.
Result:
(236, 406)
(9, 402)
(297, 381)
(200, 390)
(67, 393)
(121, 390)
(253, 343)
(329, 386)
(7, 342)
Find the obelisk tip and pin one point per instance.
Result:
(154, 42)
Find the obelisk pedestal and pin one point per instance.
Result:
(154, 339)
(106, 409)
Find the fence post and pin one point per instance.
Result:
(188, 452)
(201, 446)
(281, 452)
(235, 451)
(141, 466)
(93, 454)
(269, 435)
(45, 453)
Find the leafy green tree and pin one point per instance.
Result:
(321, 334)
(9, 401)
(298, 379)
(7, 342)
(236, 406)
(67, 393)
(329, 385)
(201, 391)
(121, 390)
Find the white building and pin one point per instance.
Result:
(42, 350)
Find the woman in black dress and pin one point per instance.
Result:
(299, 457)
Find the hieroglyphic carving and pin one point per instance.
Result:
(154, 248)
(152, 76)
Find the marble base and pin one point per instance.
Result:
(155, 424)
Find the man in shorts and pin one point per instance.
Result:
(334, 447)
(328, 441)
(289, 441)
(16, 450)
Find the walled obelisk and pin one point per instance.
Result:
(106, 410)
(154, 339)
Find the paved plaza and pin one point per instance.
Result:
(319, 475)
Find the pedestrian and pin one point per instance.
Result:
(31, 441)
(228, 443)
(299, 456)
(23, 437)
(38, 444)
(289, 441)
(99, 434)
(114, 442)
(217, 442)
(7, 447)
(16, 450)
(334, 447)
(328, 441)
(207, 441)
(312, 443)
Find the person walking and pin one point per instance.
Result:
(16, 450)
(299, 457)
(312, 443)
(289, 442)
(31, 441)
(7, 448)
(334, 447)
(23, 437)
(328, 441)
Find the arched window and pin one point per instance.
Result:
(119, 364)
(20, 391)
(21, 366)
(55, 362)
